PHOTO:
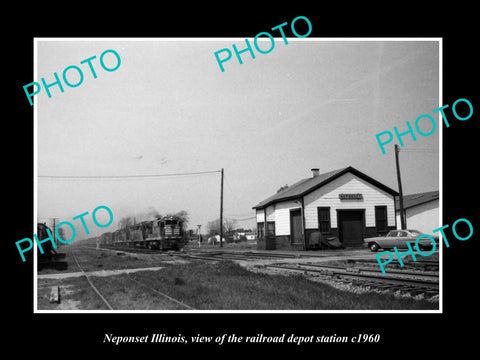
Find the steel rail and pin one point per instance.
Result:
(375, 278)
(162, 294)
(132, 278)
(91, 284)
(368, 270)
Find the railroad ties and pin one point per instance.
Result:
(403, 282)
(416, 280)
(167, 300)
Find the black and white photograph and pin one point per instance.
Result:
(281, 148)
(234, 180)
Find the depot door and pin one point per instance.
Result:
(296, 226)
(351, 226)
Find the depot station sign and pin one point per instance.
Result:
(350, 196)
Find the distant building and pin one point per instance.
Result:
(243, 235)
(214, 240)
(421, 211)
(345, 203)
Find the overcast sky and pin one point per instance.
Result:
(169, 109)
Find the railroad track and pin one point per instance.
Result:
(430, 276)
(207, 255)
(432, 265)
(418, 283)
(397, 279)
(405, 281)
(131, 249)
(244, 256)
(90, 282)
(166, 298)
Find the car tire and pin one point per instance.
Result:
(373, 247)
(425, 248)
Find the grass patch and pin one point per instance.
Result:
(93, 260)
(76, 292)
(228, 286)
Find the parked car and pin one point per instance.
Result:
(398, 239)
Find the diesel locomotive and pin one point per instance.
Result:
(163, 233)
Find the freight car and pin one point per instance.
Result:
(164, 233)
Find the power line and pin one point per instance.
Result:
(124, 176)
(238, 200)
(245, 219)
(419, 150)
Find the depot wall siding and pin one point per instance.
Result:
(271, 213)
(327, 196)
(423, 217)
(282, 217)
(260, 216)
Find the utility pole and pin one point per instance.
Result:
(402, 214)
(221, 211)
(53, 232)
(199, 235)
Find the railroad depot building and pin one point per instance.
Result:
(344, 203)
(421, 211)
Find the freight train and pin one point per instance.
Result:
(163, 233)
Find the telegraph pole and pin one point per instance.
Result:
(53, 231)
(402, 214)
(199, 235)
(221, 211)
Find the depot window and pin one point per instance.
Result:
(270, 228)
(324, 219)
(260, 229)
(381, 218)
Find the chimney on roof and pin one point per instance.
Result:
(315, 172)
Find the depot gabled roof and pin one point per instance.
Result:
(417, 199)
(305, 186)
